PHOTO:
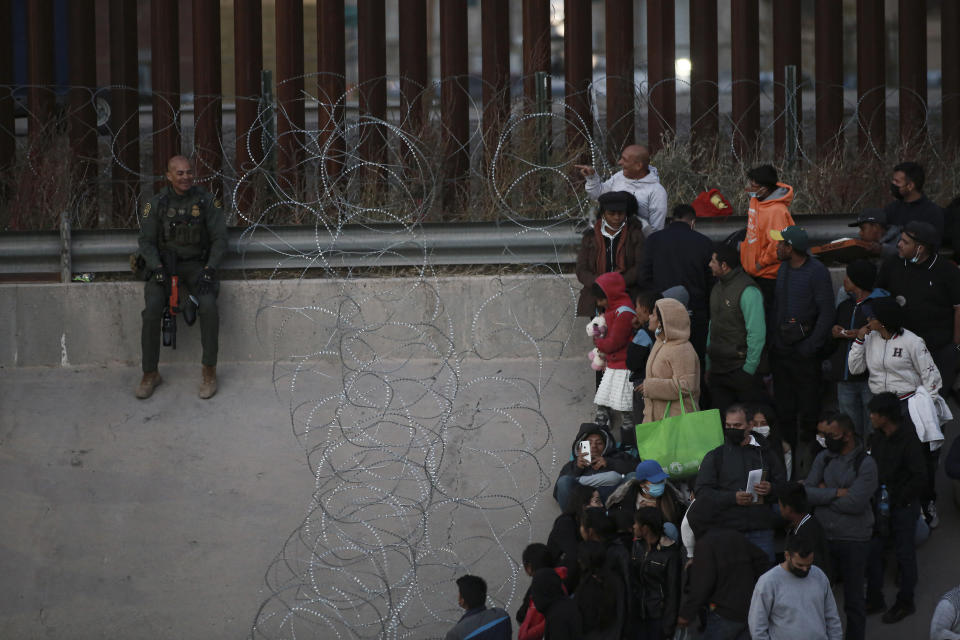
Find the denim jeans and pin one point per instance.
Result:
(719, 628)
(565, 485)
(903, 529)
(850, 565)
(852, 399)
(762, 538)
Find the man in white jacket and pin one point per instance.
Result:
(637, 177)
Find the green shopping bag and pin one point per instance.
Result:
(679, 443)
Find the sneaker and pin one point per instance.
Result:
(898, 612)
(930, 514)
(602, 418)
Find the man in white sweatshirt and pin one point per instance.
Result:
(637, 177)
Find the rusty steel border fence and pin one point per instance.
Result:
(277, 124)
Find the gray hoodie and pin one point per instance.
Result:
(849, 518)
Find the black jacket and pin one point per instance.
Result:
(562, 543)
(724, 471)
(678, 255)
(560, 612)
(901, 464)
(655, 582)
(725, 569)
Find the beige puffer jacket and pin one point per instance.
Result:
(673, 364)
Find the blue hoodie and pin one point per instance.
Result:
(851, 315)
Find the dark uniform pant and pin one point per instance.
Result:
(155, 298)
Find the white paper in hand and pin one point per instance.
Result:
(755, 476)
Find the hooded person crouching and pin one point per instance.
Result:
(604, 468)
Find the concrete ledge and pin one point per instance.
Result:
(263, 320)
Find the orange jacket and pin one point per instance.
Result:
(758, 251)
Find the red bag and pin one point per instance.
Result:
(711, 204)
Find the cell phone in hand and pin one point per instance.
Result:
(585, 450)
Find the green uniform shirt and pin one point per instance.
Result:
(192, 225)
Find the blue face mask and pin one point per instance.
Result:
(655, 489)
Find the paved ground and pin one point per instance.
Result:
(160, 518)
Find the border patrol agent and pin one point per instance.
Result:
(185, 221)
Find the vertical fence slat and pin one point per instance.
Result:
(704, 93)
(495, 53)
(661, 72)
(913, 70)
(82, 121)
(290, 105)
(578, 72)
(207, 107)
(40, 68)
(453, 96)
(745, 37)
(124, 108)
(871, 75)
(248, 61)
(620, 89)
(413, 61)
(786, 51)
(8, 146)
(536, 44)
(331, 81)
(372, 71)
(949, 55)
(165, 78)
(829, 84)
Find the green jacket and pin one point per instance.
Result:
(192, 225)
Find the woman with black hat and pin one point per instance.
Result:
(896, 359)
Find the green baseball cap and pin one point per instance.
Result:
(795, 236)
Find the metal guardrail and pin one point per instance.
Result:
(480, 243)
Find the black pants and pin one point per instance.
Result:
(945, 358)
(727, 388)
(903, 526)
(796, 391)
(849, 561)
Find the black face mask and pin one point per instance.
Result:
(895, 190)
(835, 445)
(733, 436)
(800, 573)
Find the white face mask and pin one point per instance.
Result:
(916, 257)
(762, 429)
(821, 441)
(609, 231)
(752, 194)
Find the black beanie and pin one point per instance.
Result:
(888, 312)
(862, 273)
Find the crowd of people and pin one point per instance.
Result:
(832, 405)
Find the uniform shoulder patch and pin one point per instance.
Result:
(217, 203)
(146, 210)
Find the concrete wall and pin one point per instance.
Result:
(99, 323)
